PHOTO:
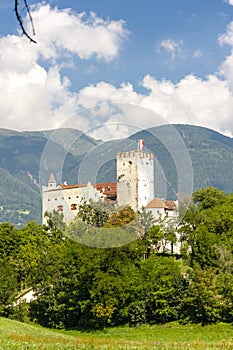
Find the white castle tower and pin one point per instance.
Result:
(135, 177)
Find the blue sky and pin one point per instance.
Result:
(193, 24)
(172, 57)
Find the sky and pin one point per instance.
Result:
(130, 64)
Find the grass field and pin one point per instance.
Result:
(20, 336)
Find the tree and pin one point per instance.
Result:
(9, 240)
(207, 224)
(121, 217)
(55, 224)
(225, 281)
(8, 285)
(202, 303)
(93, 214)
(168, 234)
(209, 197)
(147, 220)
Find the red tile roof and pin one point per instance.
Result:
(64, 186)
(161, 203)
(107, 188)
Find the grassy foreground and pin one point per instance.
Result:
(20, 336)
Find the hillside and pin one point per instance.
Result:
(20, 158)
(211, 154)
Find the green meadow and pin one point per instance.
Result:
(172, 336)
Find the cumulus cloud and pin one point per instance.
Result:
(230, 2)
(34, 95)
(79, 34)
(172, 47)
(205, 102)
(226, 67)
(227, 38)
(192, 100)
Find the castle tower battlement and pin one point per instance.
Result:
(135, 153)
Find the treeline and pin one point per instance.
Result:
(76, 285)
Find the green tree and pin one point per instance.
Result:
(225, 281)
(202, 303)
(209, 197)
(9, 240)
(151, 240)
(147, 220)
(93, 214)
(168, 233)
(55, 221)
(207, 224)
(8, 286)
(121, 217)
(34, 242)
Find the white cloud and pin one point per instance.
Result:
(35, 97)
(227, 38)
(226, 68)
(171, 47)
(58, 30)
(230, 2)
(31, 96)
(197, 53)
(206, 102)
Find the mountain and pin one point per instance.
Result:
(27, 159)
(20, 168)
(211, 154)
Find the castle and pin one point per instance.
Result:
(134, 187)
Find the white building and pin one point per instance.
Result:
(167, 213)
(163, 209)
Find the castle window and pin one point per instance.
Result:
(48, 200)
(109, 189)
(60, 208)
(77, 196)
(74, 206)
(130, 162)
(55, 199)
(69, 197)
